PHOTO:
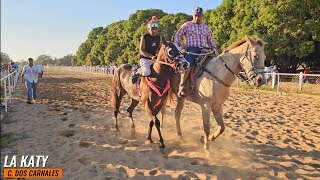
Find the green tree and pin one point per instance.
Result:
(290, 29)
(5, 58)
(65, 60)
(44, 60)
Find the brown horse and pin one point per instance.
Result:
(213, 86)
(153, 90)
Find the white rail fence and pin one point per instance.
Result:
(279, 82)
(88, 69)
(286, 82)
(8, 85)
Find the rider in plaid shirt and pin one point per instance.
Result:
(197, 35)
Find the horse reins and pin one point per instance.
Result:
(240, 76)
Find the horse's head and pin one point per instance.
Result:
(252, 62)
(171, 55)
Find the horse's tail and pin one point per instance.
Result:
(116, 89)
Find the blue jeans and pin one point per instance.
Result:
(31, 90)
(190, 57)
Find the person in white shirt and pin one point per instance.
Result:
(30, 78)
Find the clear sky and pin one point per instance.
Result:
(57, 27)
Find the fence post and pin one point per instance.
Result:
(9, 83)
(5, 95)
(300, 81)
(278, 83)
(273, 79)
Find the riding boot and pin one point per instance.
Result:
(183, 80)
(135, 75)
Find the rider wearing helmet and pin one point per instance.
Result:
(149, 44)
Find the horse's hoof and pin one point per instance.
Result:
(162, 146)
(202, 139)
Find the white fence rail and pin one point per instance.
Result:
(285, 82)
(279, 82)
(88, 69)
(8, 85)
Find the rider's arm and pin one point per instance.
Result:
(210, 39)
(143, 48)
(182, 31)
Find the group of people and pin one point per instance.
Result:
(197, 34)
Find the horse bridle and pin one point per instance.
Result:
(171, 60)
(253, 69)
(245, 78)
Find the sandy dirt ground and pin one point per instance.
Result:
(267, 136)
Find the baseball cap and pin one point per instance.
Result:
(198, 11)
(153, 22)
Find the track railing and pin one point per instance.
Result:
(8, 85)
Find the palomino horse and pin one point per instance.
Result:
(212, 87)
(153, 90)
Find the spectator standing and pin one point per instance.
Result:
(30, 78)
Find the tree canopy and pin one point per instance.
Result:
(5, 58)
(290, 29)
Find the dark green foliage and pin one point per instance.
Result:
(290, 28)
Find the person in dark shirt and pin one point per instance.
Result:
(150, 43)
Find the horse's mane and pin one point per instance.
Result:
(243, 40)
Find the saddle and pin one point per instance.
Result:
(196, 72)
(153, 86)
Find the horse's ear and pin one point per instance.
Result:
(249, 40)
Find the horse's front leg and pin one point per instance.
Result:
(217, 113)
(206, 127)
(177, 115)
(151, 123)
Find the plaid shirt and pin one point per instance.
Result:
(197, 35)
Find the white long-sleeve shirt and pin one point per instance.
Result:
(31, 73)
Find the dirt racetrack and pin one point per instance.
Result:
(267, 136)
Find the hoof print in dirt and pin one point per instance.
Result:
(71, 125)
(84, 144)
(67, 133)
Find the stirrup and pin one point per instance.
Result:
(134, 77)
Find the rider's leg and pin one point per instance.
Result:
(144, 70)
(191, 59)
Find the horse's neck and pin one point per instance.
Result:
(163, 71)
(218, 67)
